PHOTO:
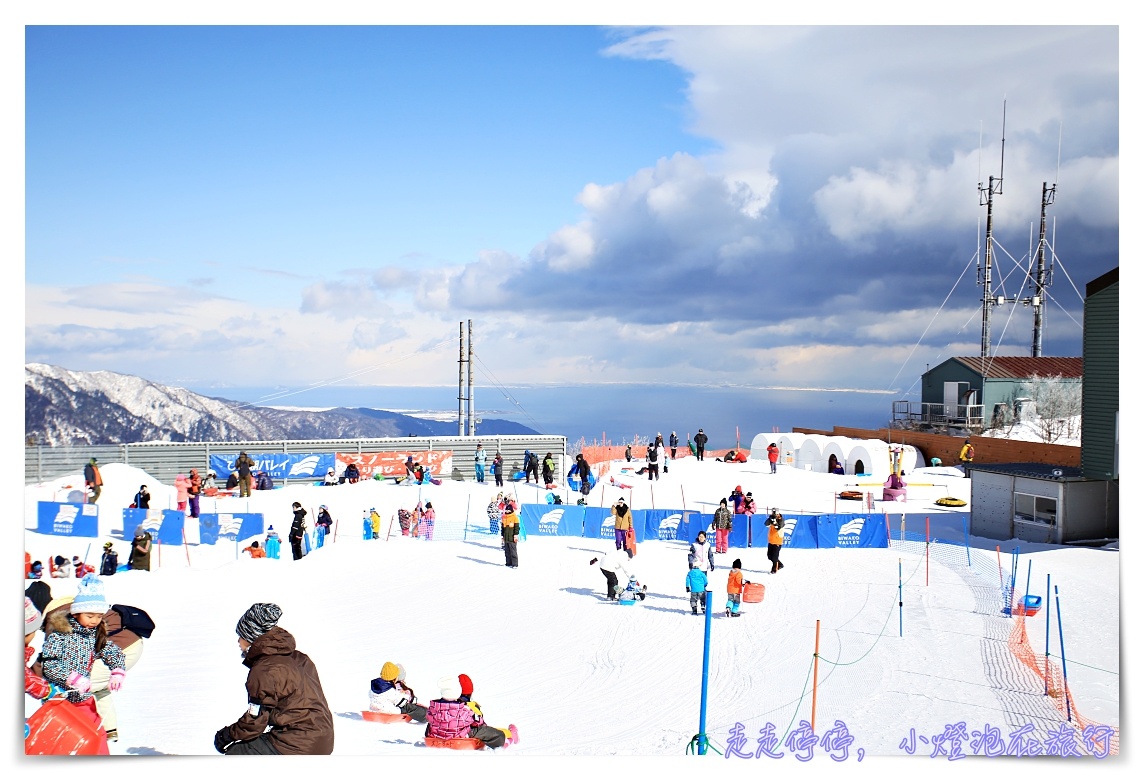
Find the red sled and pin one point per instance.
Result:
(753, 592)
(385, 717)
(460, 743)
(60, 728)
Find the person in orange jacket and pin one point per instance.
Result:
(774, 526)
(255, 550)
(734, 588)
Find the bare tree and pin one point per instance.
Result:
(1058, 403)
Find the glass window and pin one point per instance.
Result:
(1034, 509)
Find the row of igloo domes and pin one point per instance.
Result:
(819, 453)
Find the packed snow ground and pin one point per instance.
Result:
(582, 677)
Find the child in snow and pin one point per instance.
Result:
(700, 555)
(404, 518)
(494, 513)
(182, 490)
(722, 522)
(254, 550)
(389, 693)
(510, 529)
(73, 640)
(323, 524)
(696, 585)
(81, 569)
(374, 523)
(735, 588)
(450, 718)
(287, 713)
(633, 590)
(109, 563)
(273, 543)
(34, 685)
(428, 518)
(415, 520)
(63, 567)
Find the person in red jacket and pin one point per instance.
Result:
(773, 456)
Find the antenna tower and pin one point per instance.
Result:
(985, 279)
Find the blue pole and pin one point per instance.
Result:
(1064, 666)
(965, 527)
(1028, 578)
(706, 664)
(899, 597)
(1048, 622)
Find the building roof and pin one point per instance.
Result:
(1035, 470)
(1024, 367)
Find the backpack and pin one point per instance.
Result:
(969, 452)
(134, 620)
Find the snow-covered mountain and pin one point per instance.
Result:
(63, 407)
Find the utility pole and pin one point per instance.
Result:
(472, 411)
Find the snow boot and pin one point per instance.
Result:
(695, 610)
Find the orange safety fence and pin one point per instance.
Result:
(595, 453)
(1043, 667)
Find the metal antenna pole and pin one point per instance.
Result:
(986, 198)
(472, 411)
(1048, 196)
(461, 383)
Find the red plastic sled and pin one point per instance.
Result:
(385, 717)
(753, 592)
(60, 728)
(461, 743)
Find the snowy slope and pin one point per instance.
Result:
(585, 678)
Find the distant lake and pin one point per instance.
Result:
(617, 411)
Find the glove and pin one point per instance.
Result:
(593, 561)
(78, 682)
(687, 590)
(222, 739)
(116, 681)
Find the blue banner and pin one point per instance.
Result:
(663, 524)
(63, 519)
(860, 531)
(235, 525)
(164, 525)
(738, 535)
(598, 523)
(279, 465)
(552, 519)
(798, 531)
(696, 522)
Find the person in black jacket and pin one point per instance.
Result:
(584, 470)
(143, 498)
(700, 443)
(109, 563)
(245, 468)
(297, 531)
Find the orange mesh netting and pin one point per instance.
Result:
(1043, 667)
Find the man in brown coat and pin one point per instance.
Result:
(283, 693)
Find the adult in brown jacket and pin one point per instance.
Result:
(283, 693)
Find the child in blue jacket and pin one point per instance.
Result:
(696, 584)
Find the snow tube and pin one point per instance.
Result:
(851, 495)
(461, 743)
(385, 717)
(949, 501)
(753, 592)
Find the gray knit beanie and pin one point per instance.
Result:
(257, 620)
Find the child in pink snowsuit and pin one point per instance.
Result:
(182, 487)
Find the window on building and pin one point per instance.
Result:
(1034, 509)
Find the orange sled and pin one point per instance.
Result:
(461, 743)
(753, 592)
(60, 728)
(385, 717)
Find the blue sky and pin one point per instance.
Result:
(230, 207)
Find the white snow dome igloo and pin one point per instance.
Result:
(809, 455)
(788, 447)
(837, 448)
(759, 445)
